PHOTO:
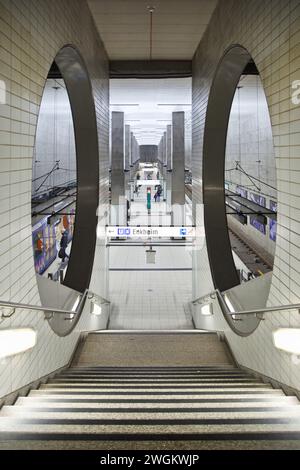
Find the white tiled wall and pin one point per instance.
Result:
(31, 34)
(270, 30)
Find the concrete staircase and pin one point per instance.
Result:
(215, 406)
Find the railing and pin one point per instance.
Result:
(51, 310)
(257, 311)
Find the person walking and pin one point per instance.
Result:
(64, 239)
(63, 245)
(158, 192)
(62, 254)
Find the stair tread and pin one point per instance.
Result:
(153, 383)
(19, 426)
(261, 441)
(158, 385)
(155, 394)
(150, 415)
(278, 402)
(182, 403)
(167, 377)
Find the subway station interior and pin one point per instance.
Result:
(150, 224)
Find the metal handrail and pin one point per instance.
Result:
(276, 308)
(39, 308)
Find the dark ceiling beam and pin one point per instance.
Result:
(150, 68)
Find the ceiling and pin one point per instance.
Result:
(148, 104)
(177, 27)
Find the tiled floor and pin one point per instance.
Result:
(150, 296)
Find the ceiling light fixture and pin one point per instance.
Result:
(151, 11)
(174, 104)
(124, 104)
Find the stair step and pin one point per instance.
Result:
(151, 386)
(164, 442)
(152, 374)
(150, 415)
(110, 428)
(113, 380)
(215, 403)
(154, 384)
(217, 394)
(215, 368)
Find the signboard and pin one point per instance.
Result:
(273, 223)
(148, 182)
(258, 222)
(44, 245)
(258, 199)
(146, 232)
(241, 191)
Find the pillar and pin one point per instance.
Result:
(178, 164)
(127, 161)
(118, 202)
(168, 167)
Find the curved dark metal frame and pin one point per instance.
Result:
(76, 78)
(223, 270)
(75, 75)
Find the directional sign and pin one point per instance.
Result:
(148, 182)
(153, 231)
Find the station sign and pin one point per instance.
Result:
(153, 231)
(148, 182)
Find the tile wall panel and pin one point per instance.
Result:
(31, 34)
(270, 30)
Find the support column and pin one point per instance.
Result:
(160, 158)
(131, 174)
(168, 168)
(127, 161)
(118, 202)
(166, 146)
(178, 159)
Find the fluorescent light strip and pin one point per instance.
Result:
(175, 104)
(15, 341)
(123, 104)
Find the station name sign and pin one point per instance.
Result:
(153, 231)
